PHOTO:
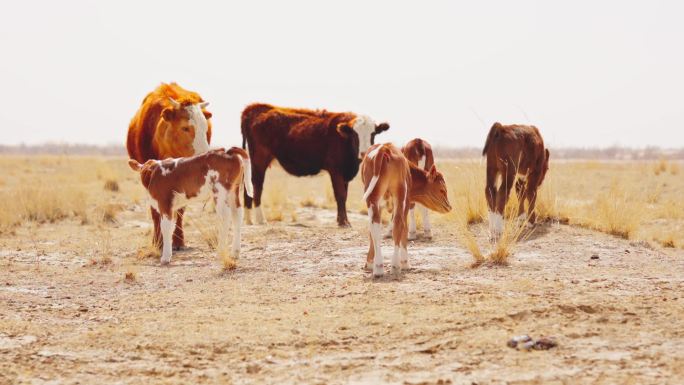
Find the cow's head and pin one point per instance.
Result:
(187, 128)
(365, 128)
(431, 191)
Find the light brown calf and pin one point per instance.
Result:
(385, 170)
(171, 182)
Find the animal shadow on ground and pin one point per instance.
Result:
(537, 231)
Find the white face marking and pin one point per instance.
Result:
(199, 122)
(364, 127)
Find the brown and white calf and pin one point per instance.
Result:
(385, 170)
(171, 182)
(513, 150)
(419, 153)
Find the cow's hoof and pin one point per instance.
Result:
(344, 225)
(178, 247)
(404, 265)
(427, 234)
(368, 267)
(395, 270)
(378, 271)
(165, 262)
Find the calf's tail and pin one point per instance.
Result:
(493, 134)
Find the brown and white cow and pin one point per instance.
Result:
(171, 122)
(386, 171)
(171, 182)
(305, 142)
(513, 150)
(419, 153)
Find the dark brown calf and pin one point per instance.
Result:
(513, 150)
(386, 172)
(171, 182)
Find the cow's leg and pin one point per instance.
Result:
(178, 239)
(427, 229)
(412, 223)
(531, 194)
(520, 191)
(502, 195)
(371, 254)
(400, 230)
(236, 212)
(491, 194)
(390, 211)
(403, 241)
(375, 233)
(248, 206)
(166, 225)
(340, 188)
(258, 177)
(156, 236)
(223, 214)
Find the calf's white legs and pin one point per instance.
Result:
(427, 229)
(237, 222)
(260, 219)
(166, 226)
(412, 224)
(376, 238)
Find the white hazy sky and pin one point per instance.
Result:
(587, 73)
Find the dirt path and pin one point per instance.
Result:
(299, 309)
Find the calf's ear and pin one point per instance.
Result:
(134, 165)
(344, 129)
(432, 174)
(207, 114)
(381, 127)
(168, 114)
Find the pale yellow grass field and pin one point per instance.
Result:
(637, 201)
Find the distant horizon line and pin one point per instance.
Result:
(614, 152)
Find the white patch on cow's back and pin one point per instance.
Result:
(364, 127)
(374, 152)
(199, 122)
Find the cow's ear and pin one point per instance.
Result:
(207, 114)
(168, 114)
(344, 129)
(134, 165)
(432, 174)
(381, 127)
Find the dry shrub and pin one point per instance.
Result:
(107, 213)
(674, 168)
(49, 204)
(616, 212)
(111, 185)
(660, 167)
(467, 192)
(130, 275)
(227, 261)
(467, 239)
(308, 202)
(512, 232)
(147, 249)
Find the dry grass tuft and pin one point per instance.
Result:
(111, 185)
(147, 249)
(227, 262)
(130, 276)
(308, 202)
(660, 167)
(674, 168)
(616, 212)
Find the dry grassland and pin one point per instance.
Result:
(83, 298)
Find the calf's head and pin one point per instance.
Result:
(186, 131)
(429, 189)
(365, 128)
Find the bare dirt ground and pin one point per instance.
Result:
(299, 308)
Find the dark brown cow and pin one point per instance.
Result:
(305, 142)
(171, 182)
(387, 173)
(513, 150)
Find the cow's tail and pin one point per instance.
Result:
(493, 134)
(247, 176)
(379, 161)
